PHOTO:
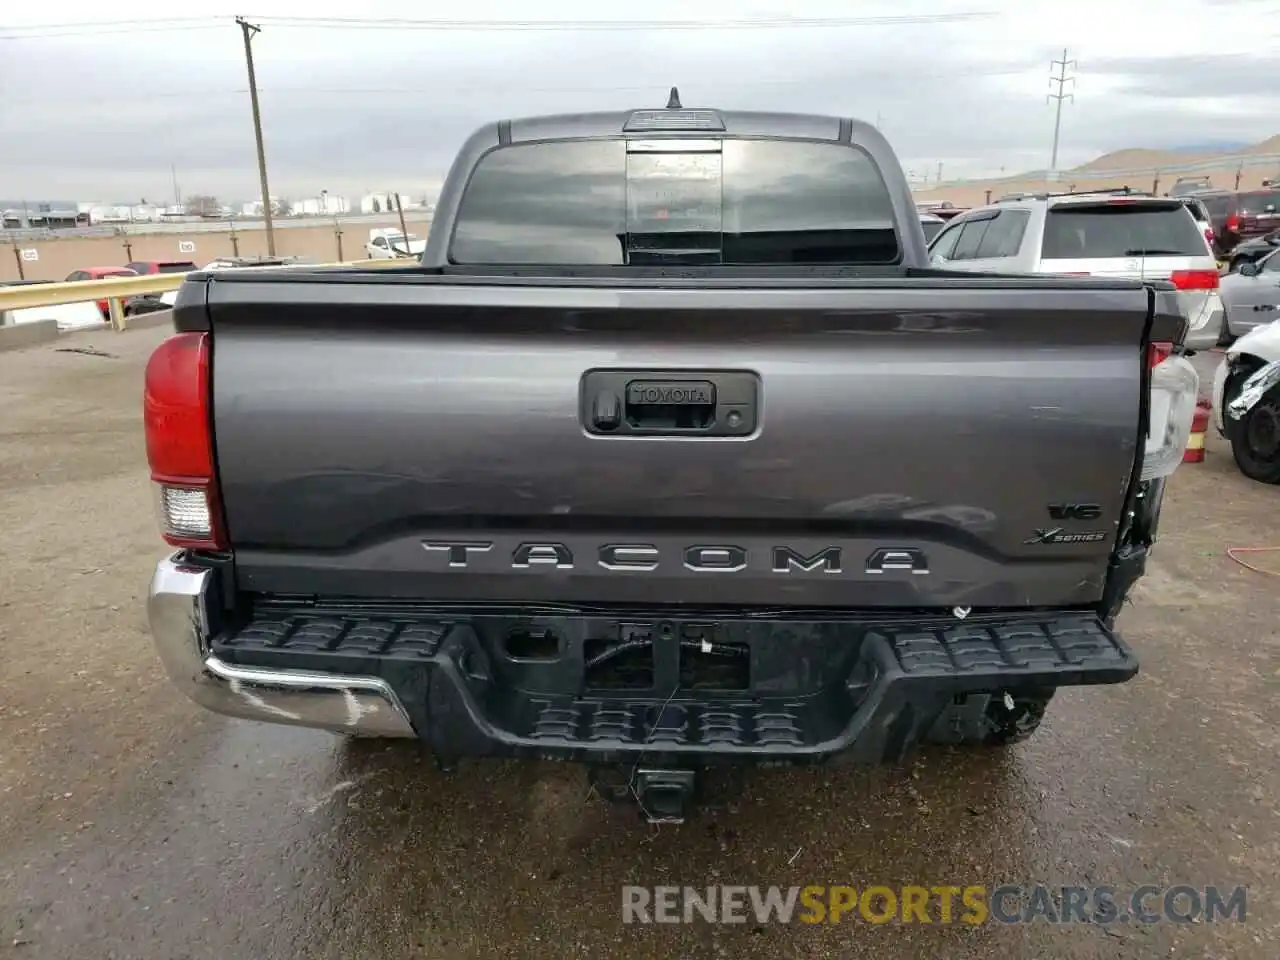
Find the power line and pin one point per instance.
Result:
(93, 29)
(134, 21)
(1061, 79)
(656, 87)
(367, 23)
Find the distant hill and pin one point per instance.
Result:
(1142, 158)
(1140, 167)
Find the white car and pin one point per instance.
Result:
(1116, 233)
(1246, 402)
(1251, 295)
(236, 263)
(1200, 214)
(387, 243)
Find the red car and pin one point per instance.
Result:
(99, 273)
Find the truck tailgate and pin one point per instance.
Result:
(903, 443)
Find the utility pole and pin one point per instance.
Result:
(249, 30)
(408, 249)
(177, 194)
(939, 171)
(1060, 78)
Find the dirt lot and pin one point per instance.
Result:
(132, 825)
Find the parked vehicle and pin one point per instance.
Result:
(1101, 234)
(1246, 402)
(148, 267)
(100, 273)
(1251, 296)
(1203, 222)
(671, 449)
(1188, 185)
(1240, 215)
(244, 263)
(931, 224)
(385, 244)
(169, 297)
(1251, 251)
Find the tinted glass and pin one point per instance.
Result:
(1121, 231)
(1004, 236)
(704, 202)
(558, 203)
(1217, 206)
(932, 228)
(971, 235)
(181, 266)
(1197, 209)
(945, 242)
(1257, 201)
(1270, 263)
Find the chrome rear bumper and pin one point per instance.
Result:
(176, 607)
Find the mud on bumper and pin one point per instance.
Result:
(722, 687)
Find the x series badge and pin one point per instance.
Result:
(1056, 535)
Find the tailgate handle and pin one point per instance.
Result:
(657, 403)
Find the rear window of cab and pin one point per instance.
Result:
(722, 201)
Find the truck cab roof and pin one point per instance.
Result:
(519, 182)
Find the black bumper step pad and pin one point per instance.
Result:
(1059, 648)
(899, 677)
(663, 724)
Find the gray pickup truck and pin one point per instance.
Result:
(671, 450)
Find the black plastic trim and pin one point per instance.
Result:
(819, 690)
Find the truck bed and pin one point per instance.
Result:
(902, 440)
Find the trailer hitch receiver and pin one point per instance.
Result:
(665, 796)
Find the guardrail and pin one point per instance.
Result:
(115, 290)
(142, 228)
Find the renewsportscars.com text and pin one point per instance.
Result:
(946, 904)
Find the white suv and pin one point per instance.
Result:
(1107, 234)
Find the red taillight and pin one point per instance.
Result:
(1195, 279)
(175, 417)
(1120, 201)
(1233, 223)
(1157, 353)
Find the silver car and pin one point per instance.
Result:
(1101, 234)
(931, 224)
(1251, 295)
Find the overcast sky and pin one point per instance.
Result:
(103, 113)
